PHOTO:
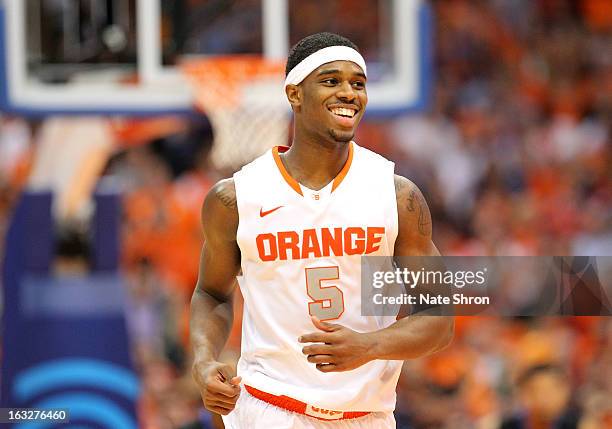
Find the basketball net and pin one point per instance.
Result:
(244, 100)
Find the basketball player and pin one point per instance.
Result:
(296, 221)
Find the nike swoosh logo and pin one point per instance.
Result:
(267, 212)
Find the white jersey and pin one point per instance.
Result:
(301, 253)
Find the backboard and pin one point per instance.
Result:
(121, 56)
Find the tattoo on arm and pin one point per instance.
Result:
(424, 220)
(411, 199)
(424, 215)
(416, 202)
(227, 197)
(399, 186)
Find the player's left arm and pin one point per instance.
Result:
(338, 348)
(424, 333)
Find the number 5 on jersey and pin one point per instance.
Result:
(328, 301)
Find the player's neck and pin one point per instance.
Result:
(315, 163)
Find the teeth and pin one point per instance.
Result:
(343, 112)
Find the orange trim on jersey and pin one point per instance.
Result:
(294, 183)
(281, 167)
(290, 404)
(340, 177)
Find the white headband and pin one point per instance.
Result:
(323, 56)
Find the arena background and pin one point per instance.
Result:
(510, 145)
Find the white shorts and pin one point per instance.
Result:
(252, 413)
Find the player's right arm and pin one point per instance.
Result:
(212, 304)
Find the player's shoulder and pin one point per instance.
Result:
(407, 190)
(412, 207)
(224, 191)
(220, 203)
(404, 186)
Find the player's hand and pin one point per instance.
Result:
(337, 348)
(219, 386)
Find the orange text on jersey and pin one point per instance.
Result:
(313, 243)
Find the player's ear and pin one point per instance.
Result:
(294, 95)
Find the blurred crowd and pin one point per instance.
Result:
(514, 157)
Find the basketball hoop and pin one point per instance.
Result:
(244, 99)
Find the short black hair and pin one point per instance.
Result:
(313, 43)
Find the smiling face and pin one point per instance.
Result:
(331, 101)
